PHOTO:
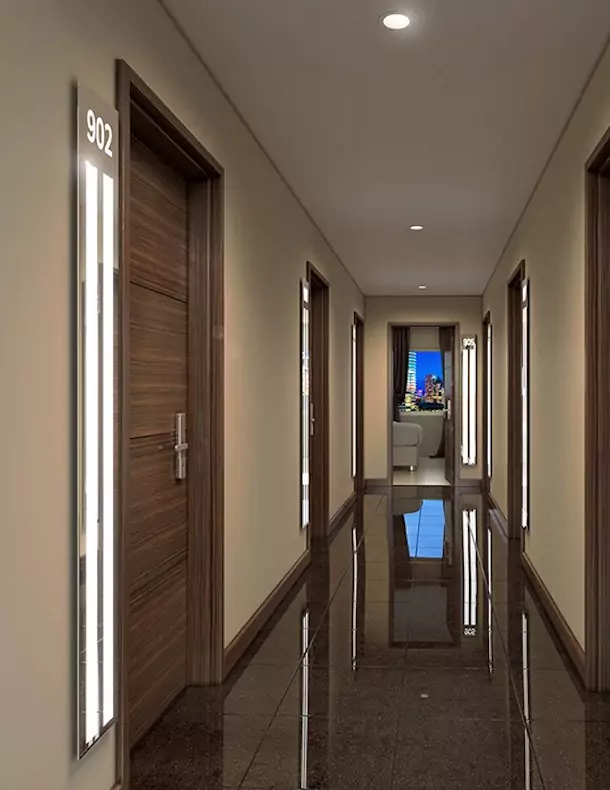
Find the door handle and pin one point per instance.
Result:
(181, 446)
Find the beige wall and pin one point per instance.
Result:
(380, 312)
(551, 239)
(45, 45)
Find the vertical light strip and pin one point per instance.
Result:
(465, 380)
(469, 401)
(525, 407)
(91, 450)
(304, 700)
(108, 253)
(488, 395)
(354, 385)
(305, 405)
(472, 402)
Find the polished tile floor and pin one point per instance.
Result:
(429, 472)
(390, 666)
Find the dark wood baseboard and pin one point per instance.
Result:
(472, 486)
(496, 512)
(340, 516)
(558, 621)
(372, 484)
(240, 643)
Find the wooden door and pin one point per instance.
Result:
(448, 352)
(359, 404)
(319, 402)
(157, 528)
(487, 357)
(515, 403)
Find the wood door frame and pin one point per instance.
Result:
(515, 410)
(142, 112)
(457, 393)
(485, 461)
(359, 477)
(597, 422)
(319, 288)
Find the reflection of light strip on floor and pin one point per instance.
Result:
(526, 696)
(469, 558)
(304, 698)
(354, 597)
(490, 647)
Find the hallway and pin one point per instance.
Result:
(390, 667)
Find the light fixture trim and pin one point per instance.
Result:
(394, 20)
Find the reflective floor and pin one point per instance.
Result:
(390, 666)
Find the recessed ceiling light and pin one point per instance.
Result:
(396, 21)
(416, 227)
(422, 287)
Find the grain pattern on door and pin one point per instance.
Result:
(156, 562)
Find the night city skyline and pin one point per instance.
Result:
(428, 362)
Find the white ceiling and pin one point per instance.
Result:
(448, 123)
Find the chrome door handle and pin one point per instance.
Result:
(181, 446)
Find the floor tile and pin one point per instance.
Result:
(476, 755)
(318, 752)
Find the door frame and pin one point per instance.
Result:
(457, 396)
(597, 419)
(319, 296)
(487, 379)
(515, 406)
(358, 323)
(141, 110)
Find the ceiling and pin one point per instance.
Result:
(447, 124)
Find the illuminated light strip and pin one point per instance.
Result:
(354, 435)
(305, 406)
(108, 253)
(469, 401)
(489, 398)
(525, 410)
(91, 490)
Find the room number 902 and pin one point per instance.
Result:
(99, 132)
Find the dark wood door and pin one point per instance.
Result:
(359, 405)
(156, 561)
(448, 352)
(319, 401)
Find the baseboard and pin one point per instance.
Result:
(240, 643)
(498, 515)
(374, 484)
(339, 518)
(474, 486)
(550, 608)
